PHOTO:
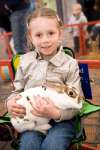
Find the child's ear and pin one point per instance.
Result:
(29, 36)
(61, 33)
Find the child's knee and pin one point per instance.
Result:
(53, 144)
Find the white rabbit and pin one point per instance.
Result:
(63, 97)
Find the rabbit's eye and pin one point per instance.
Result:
(71, 93)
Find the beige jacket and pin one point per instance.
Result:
(33, 71)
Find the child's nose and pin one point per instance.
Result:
(45, 38)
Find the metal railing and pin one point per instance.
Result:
(82, 35)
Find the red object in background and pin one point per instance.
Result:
(88, 147)
(7, 63)
(83, 49)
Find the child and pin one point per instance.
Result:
(47, 63)
(77, 18)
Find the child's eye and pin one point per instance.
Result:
(38, 35)
(51, 33)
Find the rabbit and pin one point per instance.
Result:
(63, 96)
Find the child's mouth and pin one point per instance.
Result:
(46, 47)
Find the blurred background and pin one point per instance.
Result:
(12, 41)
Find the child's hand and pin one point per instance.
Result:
(44, 107)
(14, 109)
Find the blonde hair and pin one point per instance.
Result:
(41, 12)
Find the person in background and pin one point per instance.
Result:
(77, 17)
(46, 63)
(4, 17)
(18, 25)
(15, 10)
(91, 9)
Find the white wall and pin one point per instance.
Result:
(50, 3)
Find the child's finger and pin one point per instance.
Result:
(48, 101)
(18, 97)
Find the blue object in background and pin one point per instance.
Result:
(32, 4)
(85, 81)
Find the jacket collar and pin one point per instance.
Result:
(56, 60)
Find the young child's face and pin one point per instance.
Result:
(45, 35)
(76, 11)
